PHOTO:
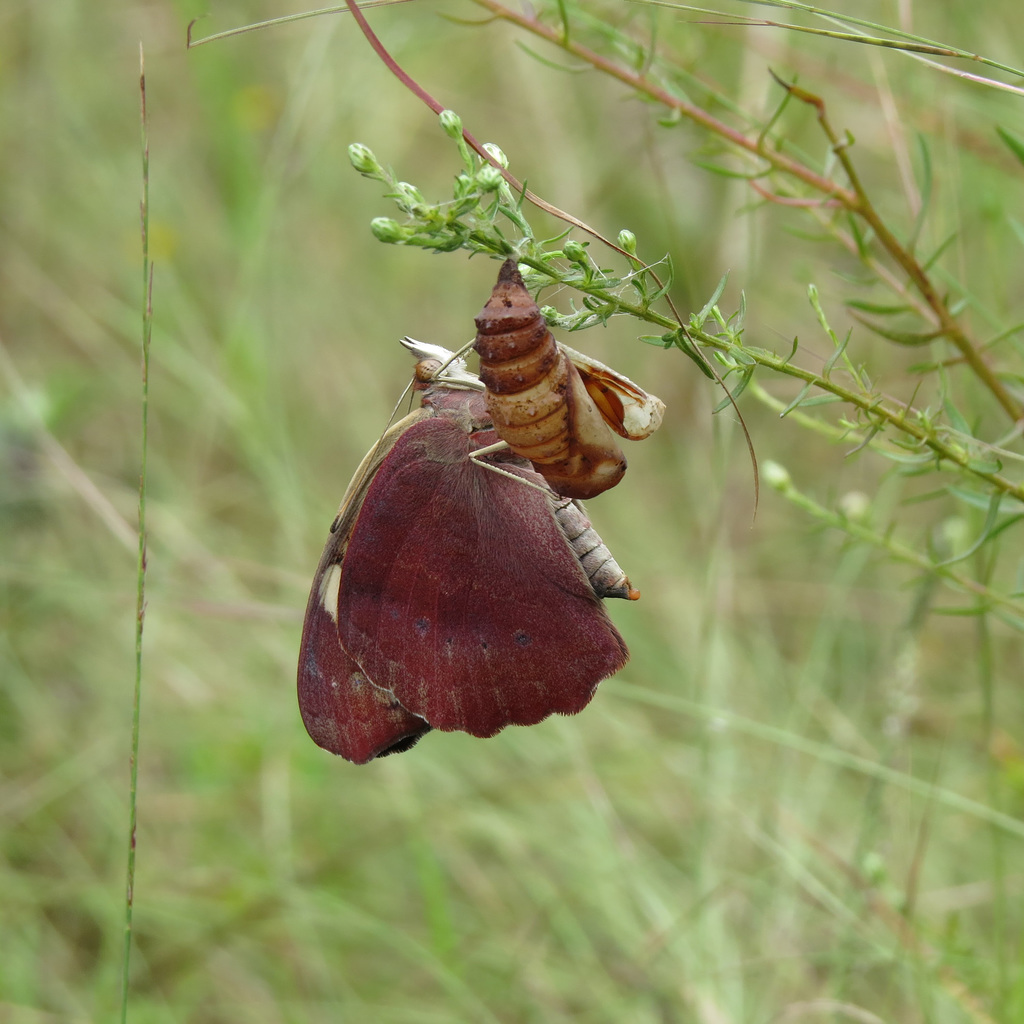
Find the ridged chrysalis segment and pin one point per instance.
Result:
(536, 397)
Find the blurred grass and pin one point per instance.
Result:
(650, 860)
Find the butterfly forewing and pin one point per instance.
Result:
(460, 594)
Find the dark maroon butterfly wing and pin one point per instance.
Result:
(461, 596)
(342, 710)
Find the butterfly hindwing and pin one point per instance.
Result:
(342, 710)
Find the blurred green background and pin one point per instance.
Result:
(800, 800)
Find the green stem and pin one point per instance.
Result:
(854, 199)
(948, 324)
(871, 405)
(902, 553)
(140, 596)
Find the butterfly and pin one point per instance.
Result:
(457, 590)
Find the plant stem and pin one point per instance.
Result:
(854, 199)
(865, 209)
(140, 597)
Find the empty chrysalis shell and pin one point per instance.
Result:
(539, 404)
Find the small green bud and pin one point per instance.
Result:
(496, 153)
(856, 506)
(451, 123)
(874, 868)
(776, 476)
(408, 196)
(955, 535)
(575, 252)
(464, 186)
(387, 230)
(488, 178)
(627, 241)
(363, 160)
